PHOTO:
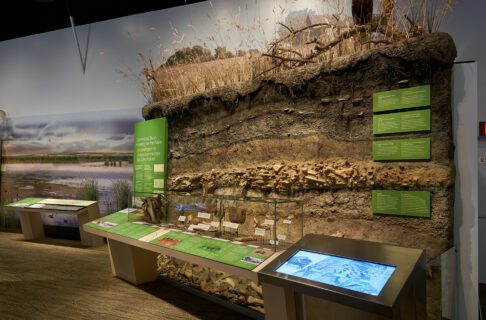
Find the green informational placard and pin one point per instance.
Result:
(399, 122)
(238, 255)
(110, 221)
(24, 202)
(150, 156)
(402, 203)
(133, 230)
(405, 149)
(401, 98)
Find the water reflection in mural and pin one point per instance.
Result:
(69, 156)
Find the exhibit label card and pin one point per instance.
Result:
(401, 98)
(399, 122)
(405, 149)
(150, 156)
(403, 203)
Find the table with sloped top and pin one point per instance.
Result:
(30, 210)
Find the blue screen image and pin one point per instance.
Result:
(357, 275)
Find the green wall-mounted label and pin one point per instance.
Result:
(403, 203)
(405, 149)
(399, 122)
(150, 156)
(401, 98)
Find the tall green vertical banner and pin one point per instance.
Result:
(150, 156)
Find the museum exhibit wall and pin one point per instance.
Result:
(42, 75)
(307, 133)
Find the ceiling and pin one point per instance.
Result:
(22, 18)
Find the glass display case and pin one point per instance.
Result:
(270, 223)
(266, 222)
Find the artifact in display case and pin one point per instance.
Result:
(154, 208)
(194, 213)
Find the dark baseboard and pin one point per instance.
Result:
(222, 302)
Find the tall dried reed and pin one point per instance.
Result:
(330, 36)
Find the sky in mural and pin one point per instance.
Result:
(45, 70)
(100, 132)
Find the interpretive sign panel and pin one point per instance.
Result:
(401, 99)
(150, 156)
(112, 220)
(238, 255)
(134, 230)
(399, 122)
(67, 202)
(404, 203)
(405, 149)
(24, 202)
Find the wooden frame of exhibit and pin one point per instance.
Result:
(136, 261)
(33, 227)
(402, 297)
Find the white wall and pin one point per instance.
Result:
(464, 113)
(466, 25)
(42, 74)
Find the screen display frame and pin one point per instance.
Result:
(409, 263)
(325, 254)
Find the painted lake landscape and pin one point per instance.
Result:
(87, 158)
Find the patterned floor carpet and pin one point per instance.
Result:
(58, 279)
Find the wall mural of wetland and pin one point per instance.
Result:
(73, 156)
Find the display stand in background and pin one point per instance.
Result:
(30, 210)
(337, 278)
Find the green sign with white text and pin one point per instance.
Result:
(399, 122)
(402, 203)
(401, 99)
(150, 156)
(404, 149)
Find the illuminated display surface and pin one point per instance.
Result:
(357, 275)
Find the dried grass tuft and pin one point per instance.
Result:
(297, 44)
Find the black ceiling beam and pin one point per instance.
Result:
(22, 18)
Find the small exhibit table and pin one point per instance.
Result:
(30, 210)
(322, 277)
(134, 247)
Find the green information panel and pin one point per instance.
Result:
(133, 230)
(403, 203)
(405, 149)
(150, 156)
(226, 252)
(110, 221)
(409, 121)
(24, 202)
(401, 99)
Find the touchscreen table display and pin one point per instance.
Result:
(351, 274)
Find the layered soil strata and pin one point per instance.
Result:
(307, 134)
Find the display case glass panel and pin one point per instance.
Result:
(265, 222)
(272, 224)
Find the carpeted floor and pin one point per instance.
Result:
(58, 279)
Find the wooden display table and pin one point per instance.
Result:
(30, 209)
(134, 247)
